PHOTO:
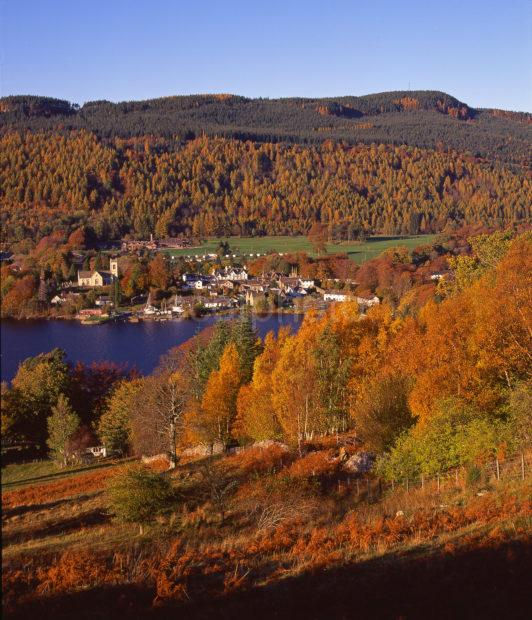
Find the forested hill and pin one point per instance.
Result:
(54, 182)
(427, 119)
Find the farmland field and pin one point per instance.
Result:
(357, 251)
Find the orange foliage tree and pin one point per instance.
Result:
(218, 406)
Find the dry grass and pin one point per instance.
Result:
(58, 537)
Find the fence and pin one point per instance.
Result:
(515, 468)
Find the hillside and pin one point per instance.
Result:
(427, 119)
(58, 182)
(329, 549)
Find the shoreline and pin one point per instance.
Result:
(149, 318)
(156, 319)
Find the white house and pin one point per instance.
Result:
(197, 280)
(97, 451)
(103, 301)
(234, 274)
(306, 283)
(61, 298)
(218, 303)
(337, 296)
(368, 301)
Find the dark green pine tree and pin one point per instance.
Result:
(73, 272)
(206, 359)
(247, 342)
(117, 293)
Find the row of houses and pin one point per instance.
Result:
(285, 287)
(181, 304)
(135, 245)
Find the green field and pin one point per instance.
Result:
(359, 252)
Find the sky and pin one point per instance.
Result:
(479, 51)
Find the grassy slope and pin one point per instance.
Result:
(40, 472)
(359, 252)
(475, 556)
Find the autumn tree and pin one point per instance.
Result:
(454, 435)
(256, 418)
(293, 387)
(91, 386)
(332, 371)
(381, 413)
(158, 273)
(218, 406)
(38, 383)
(114, 426)
(62, 425)
(520, 415)
(317, 235)
(76, 240)
(20, 297)
(158, 415)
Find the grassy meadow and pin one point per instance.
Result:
(357, 251)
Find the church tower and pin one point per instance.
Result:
(113, 266)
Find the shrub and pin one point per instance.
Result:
(138, 494)
(473, 475)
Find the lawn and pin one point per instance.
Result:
(357, 251)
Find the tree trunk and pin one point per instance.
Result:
(172, 451)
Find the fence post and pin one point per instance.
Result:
(456, 476)
(407, 484)
(422, 481)
(498, 469)
(393, 486)
(522, 465)
(369, 489)
(438, 481)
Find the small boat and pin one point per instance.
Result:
(149, 308)
(176, 308)
(165, 311)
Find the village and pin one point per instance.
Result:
(202, 284)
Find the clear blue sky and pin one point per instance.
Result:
(477, 50)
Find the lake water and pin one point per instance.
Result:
(136, 344)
